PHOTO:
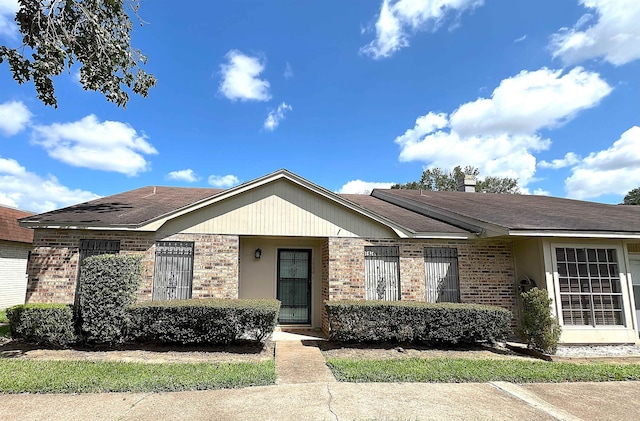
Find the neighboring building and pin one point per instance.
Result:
(15, 246)
(281, 236)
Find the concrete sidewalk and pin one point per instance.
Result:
(306, 389)
(343, 401)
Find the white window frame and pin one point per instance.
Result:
(622, 274)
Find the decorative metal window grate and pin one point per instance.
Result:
(441, 269)
(382, 273)
(98, 247)
(173, 271)
(590, 290)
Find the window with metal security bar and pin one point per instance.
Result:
(441, 270)
(382, 273)
(590, 288)
(98, 247)
(173, 270)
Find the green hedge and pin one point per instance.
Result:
(42, 324)
(107, 287)
(408, 321)
(203, 321)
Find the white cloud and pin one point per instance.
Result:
(569, 159)
(522, 38)
(614, 170)
(240, 78)
(14, 117)
(276, 116)
(288, 71)
(614, 36)
(499, 135)
(363, 187)
(398, 19)
(541, 192)
(108, 145)
(531, 101)
(183, 175)
(223, 181)
(26, 190)
(8, 9)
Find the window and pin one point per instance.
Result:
(590, 289)
(98, 247)
(441, 269)
(173, 270)
(382, 273)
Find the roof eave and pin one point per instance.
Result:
(573, 233)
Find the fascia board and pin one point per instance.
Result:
(577, 234)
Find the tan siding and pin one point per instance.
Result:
(278, 209)
(13, 273)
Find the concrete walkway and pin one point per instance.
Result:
(299, 360)
(306, 389)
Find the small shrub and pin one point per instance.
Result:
(42, 324)
(203, 321)
(107, 287)
(539, 328)
(408, 321)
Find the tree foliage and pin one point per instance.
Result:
(633, 197)
(437, 179)
(94, 33)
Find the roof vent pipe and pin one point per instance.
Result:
(467, 183)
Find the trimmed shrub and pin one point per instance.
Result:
(409, 321)
(107, 287)
(539, 328)
(42, 324)
(200, 321)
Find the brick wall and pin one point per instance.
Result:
(53, 267)
(486, 269)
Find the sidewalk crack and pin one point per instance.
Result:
(133, 405)
(331, 400)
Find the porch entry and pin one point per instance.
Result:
(294, 286)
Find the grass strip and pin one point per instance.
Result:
(19, 376)
(3, 316)
(459, 370)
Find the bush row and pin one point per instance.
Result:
(183, 322)
(203, 321)
(407, 321)
(43, 324)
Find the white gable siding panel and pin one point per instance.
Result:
(13, 277)
(278, 209)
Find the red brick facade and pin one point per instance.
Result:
(486, 268)
(53, 267)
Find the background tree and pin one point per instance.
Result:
(633, 197)
(95, 33)
(437, 179)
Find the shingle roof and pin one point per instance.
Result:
(528, 212)
(9, 228)
(400, 216)
(130, 208)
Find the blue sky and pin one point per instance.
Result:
(350, 95)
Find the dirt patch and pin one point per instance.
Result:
(153, 354)
(396, 351)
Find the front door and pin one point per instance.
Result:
(294, 286)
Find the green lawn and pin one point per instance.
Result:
(458, 370)
(32, 376)
(3, 316)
